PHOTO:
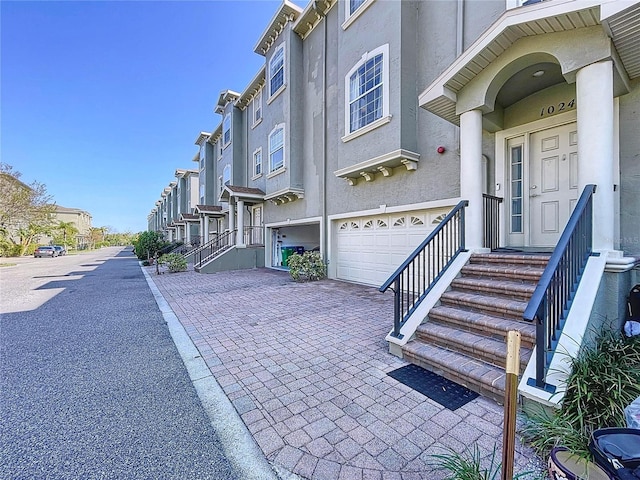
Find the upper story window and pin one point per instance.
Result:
(226, 175)
(353, 9)
(367, 89)
(202, 202)
(226, 130)
(220, 148)
(276, 71)
(257, 107)
(257, 162)
(354, 5)
(202, 156)
(276, 148)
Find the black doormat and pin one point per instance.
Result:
(447, 393)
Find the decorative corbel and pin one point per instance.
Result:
(369, 177)
(386, 171)
(351, 181)
(410, 164)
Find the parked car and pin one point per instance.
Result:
(45, 251)
(60, 249)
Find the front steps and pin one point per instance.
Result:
(464, 335)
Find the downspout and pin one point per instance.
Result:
(325, 227)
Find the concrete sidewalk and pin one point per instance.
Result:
(305, 366)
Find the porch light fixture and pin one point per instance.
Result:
(538, 73)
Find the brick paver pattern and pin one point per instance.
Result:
(305, 365)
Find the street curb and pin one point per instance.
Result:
(239, 446)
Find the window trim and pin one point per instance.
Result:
(257, 101)
(227, 168)
(272, 171)
(273, 94)
(227, 118)
(386, 117)
(255, 173)
(352, 17)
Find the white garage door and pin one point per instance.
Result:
(369, 249)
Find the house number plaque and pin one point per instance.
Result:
(557, 108)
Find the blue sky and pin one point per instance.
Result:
(102, 101)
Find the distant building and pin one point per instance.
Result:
(82, 221)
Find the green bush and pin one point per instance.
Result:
(603, 381)
(174, 262)
(308, 266)
(148, 244)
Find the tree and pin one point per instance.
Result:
(67, 231)
(26, 211)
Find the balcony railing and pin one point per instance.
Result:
(491, 217)
(417, 275)
(253, 235)
(551, 300)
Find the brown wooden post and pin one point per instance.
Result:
(510, 404)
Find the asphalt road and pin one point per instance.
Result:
(91, 383)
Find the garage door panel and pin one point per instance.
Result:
(369, 255)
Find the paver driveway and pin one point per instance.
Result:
(305, 365)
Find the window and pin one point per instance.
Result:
(367, 88)
(220, 184)
(257, 162)
(276, 148)
(516, 189)
(202, 152)
(276, 71)
(226, 130)
(257, 107)
(354, 5)
(219, 148)
(226, 175)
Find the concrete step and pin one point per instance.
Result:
(526, 273)
(494, 306)
(472, 373)
(538, 260)
(517, 290)
(478, 346)
(488, 325)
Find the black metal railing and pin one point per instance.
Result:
(253, 235)
(220, 243)
(417, 275)
(491, 219)
(551, 300)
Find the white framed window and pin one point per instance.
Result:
(354, 5)
(276, 71)
(257, 108)
(257, 162)
(226, 130)
(353, 9)
(220, 148)
(202, 156)
(367, 92)
(226, 175)
(220, 184)
(276, 148)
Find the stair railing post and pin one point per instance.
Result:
(396, 308)
(541, 343)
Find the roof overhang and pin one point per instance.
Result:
(216, 134)
(242, 193)
(202, 137)
(554, 16)
(382, 164)
(225, 97)
(286, 195)
(311, 16)
(287, 12)
(252, 89)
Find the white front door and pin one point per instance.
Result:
(553, 182)
(256, 222)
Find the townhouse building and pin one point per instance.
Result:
(480, 126)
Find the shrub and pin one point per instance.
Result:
(308, 266)
(148, 244)
(603, 381)
(174, 262)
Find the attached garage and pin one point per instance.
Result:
(369, 249)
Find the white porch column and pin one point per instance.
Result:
(232, 215)
(594, 95)
(187, 232)
(471, 176)
(240, 226)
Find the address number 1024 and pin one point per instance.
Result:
(551, 109)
